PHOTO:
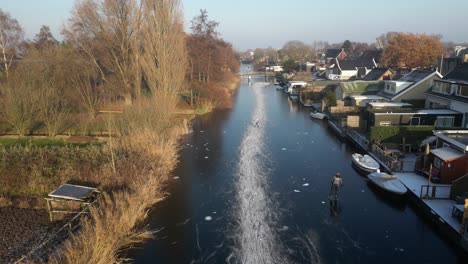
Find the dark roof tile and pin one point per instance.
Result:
(416, 76)
(333, 53)
(459, 73)
(375, 74)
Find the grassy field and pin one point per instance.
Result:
(42, 142)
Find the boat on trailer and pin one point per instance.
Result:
(365, 162)
(387, 182)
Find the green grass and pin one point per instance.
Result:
(41, 142)
(362, 86)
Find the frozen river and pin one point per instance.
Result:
(252, 187)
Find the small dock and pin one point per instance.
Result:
(435, 200)
(338, 130)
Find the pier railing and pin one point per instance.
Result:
(434, 192)
(360, 140)
(390, 162)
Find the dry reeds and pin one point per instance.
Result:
(148, 137)
(115, 225)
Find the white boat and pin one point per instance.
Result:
(365, 162)
(388, 182)
(317, 115)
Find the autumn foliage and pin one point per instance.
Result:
(412, 50)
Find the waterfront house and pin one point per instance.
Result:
(451, 92)
(394, 115)
(411, 87)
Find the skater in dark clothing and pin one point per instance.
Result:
(336, 184)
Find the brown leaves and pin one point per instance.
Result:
(412, 50)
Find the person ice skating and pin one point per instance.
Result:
(336, 184)
(257, 121)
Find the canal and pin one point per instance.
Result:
(252, 186)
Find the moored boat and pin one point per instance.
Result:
(317, 115)
(365, 162)
(387, 182)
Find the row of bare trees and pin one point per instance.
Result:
(113, 51)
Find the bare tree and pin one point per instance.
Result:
(52, 106)
(44, 38)
(105, 32)
(20, 103)
(202, 26)
(164, 56)
(87, 86)
(11, 35)
(297, 51)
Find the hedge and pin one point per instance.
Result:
(395, 134)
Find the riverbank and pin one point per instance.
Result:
(118, 222)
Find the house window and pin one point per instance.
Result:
(454, 88)
(462, 90)
(385, 123)
(437, 162)
(415, 121)
(442, 87)
(445, 121)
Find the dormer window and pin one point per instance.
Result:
(442, 87)
(462, 90)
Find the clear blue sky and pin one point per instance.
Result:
(262, 23)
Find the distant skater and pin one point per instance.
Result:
(256, 122)
(336, 184)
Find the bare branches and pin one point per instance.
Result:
(11, 35)
(105, 32)
(164, 56)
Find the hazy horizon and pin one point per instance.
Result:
(260, 24)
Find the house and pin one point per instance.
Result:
(411, 87)
(440, 118)
(450, 157)
(333, 54)
(346, 69)
(374, 55)
(378, 74)
(451, 92)
(347, 89)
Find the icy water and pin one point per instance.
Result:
(252, 186)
